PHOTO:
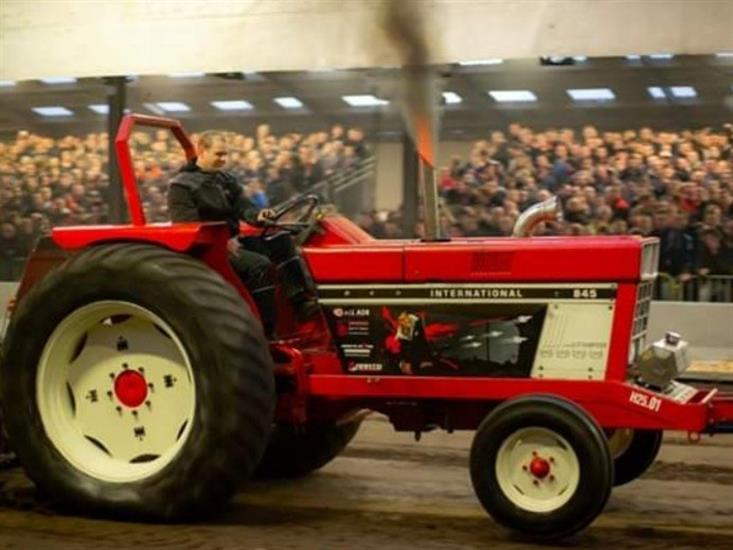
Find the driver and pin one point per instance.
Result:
(203, 191)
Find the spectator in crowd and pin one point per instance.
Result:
(677, 186)
(46, 182)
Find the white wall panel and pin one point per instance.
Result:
(92, 38)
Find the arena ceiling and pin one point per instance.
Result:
(321, 94)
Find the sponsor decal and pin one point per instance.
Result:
(357, 350)
(351, 312)
(364, 367)
(645, 401)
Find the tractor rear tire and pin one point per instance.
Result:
(541, 467)
(136, 383)
(295, 452)
(633, 452)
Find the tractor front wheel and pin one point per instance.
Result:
(633, 451)
(541, 466)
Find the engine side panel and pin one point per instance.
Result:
(546, 331)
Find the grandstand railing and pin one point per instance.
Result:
(699, 288)
(351, 190)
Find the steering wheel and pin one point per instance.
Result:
(304, 225)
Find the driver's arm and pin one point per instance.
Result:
(242, 207)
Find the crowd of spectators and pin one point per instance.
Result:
(674, 185)
(47, 182)
(677, 186)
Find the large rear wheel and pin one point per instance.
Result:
(136, 382)
(296, 451)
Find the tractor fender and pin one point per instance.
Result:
(205, 241)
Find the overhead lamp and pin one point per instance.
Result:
(452, 98)
(364, 100)
(100, 108)
(289, 102)
(591, 94)
(505, 96)
(58, 80)
(52, 111)
(173, 106)
(478, 62)
(233, 105)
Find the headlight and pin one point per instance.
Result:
(649, 258)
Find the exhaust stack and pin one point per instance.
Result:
(549, 210)
(406, 30)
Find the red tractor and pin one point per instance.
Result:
(137, 382)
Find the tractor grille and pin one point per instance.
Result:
(644, 294)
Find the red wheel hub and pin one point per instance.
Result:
(539, 467)
(131, 388)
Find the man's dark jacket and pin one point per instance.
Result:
(195, 195)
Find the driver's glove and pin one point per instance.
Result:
(265, 214)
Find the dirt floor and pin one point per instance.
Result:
(389, 492)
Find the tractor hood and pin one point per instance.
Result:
(340, 255)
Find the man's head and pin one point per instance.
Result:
(211, 151)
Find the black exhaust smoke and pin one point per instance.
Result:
(405, 28)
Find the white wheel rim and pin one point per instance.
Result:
(620, 441)
(551, 458)
(112, 426)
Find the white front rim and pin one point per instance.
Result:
(115, 391)
(537, 469)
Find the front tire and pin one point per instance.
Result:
(633, 451)
(136, 383)
(541, 466)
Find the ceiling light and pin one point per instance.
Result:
(477, 62)
(452, 98)
(661, 56)
(53, 110)
(173, 106)
(672, 92)
(100, 108)
(289, 102)
(58, 80)
(683, 92)
(591, 94)
(364, 100)
(724, 54)
(7, 83)
(233, 105)
(512, 95)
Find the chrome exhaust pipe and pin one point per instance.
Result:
(548, 210)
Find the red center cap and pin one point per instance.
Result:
(539, 467)
(131, 388)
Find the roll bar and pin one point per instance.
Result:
(124, 158)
